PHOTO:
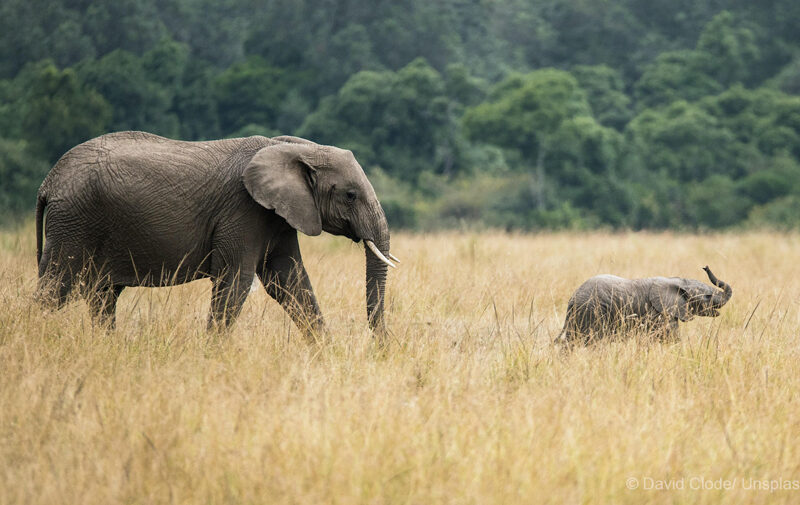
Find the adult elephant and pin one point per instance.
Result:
(136, 209)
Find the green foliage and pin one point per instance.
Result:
(779, 179)
(788, 79)
(139, 102)
(524, 111)
(585, 160)
(195, 102)
(127, 25)
(716, 203)
(585, 145)
(731, 49)
(250, 92)
(546, 116)
(57, 111)
(396, 120)
(513, 114)
(21, 174)
(605, 91)
(675, 75)
(462, 87)
(682, 141)
(781, 213)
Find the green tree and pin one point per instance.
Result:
(21, 173)
(166, 63)
(25, 27)
(765, 120)
(129, 25)
(351, 48)
(588, 32)
(682, 141)
(463, 87)
(605, 91)
(781, 213)
(250, 92)
(788, 79)
(716, 203)
(195, 102)
(139, 102)
(675, 75)
(397, 120)
(780, 178)
(215, 30)
(524, 112)
(585, 159)
(731, 48)
(68, 44)
(57, 111)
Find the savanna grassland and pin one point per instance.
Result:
(468, 403)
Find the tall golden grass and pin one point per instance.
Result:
(469, 403)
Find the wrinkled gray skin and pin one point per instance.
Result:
(607, 304)
(136, 209)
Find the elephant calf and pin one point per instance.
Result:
(608, 304)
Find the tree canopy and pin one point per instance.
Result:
(517, 114)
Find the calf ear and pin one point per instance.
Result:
(282, 177)
(670, 299)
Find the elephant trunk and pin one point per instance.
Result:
(720, 298)
(376, 273)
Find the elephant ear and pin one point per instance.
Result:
(282, 177)
(669, 298)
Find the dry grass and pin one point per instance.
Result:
(469, 404)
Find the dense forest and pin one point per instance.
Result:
(516, 114)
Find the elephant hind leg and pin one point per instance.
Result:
(66, 253)
(57, 276)
(103, 303)
(584, 325)
(52, 290)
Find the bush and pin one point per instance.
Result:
(21, 173)
(782, 214)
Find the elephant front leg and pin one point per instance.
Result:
(661, 329)
(669, 332)
(227, 297)
(286, 280)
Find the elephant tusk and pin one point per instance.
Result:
(376, 252)
(394, 258)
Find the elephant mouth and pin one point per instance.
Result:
(710, 313)
(343, 229)
(350, 233)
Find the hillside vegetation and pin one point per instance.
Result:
(519, 115)
(468, 403)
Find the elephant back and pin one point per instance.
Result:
(135, 153)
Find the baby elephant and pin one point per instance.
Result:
(607, 304)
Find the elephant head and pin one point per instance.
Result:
(709, 306)
(686, 298)
(315, 188)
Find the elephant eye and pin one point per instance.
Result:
(351, 195)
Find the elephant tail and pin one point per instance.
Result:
(41, 203)
(564, 333)
(560, 337)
